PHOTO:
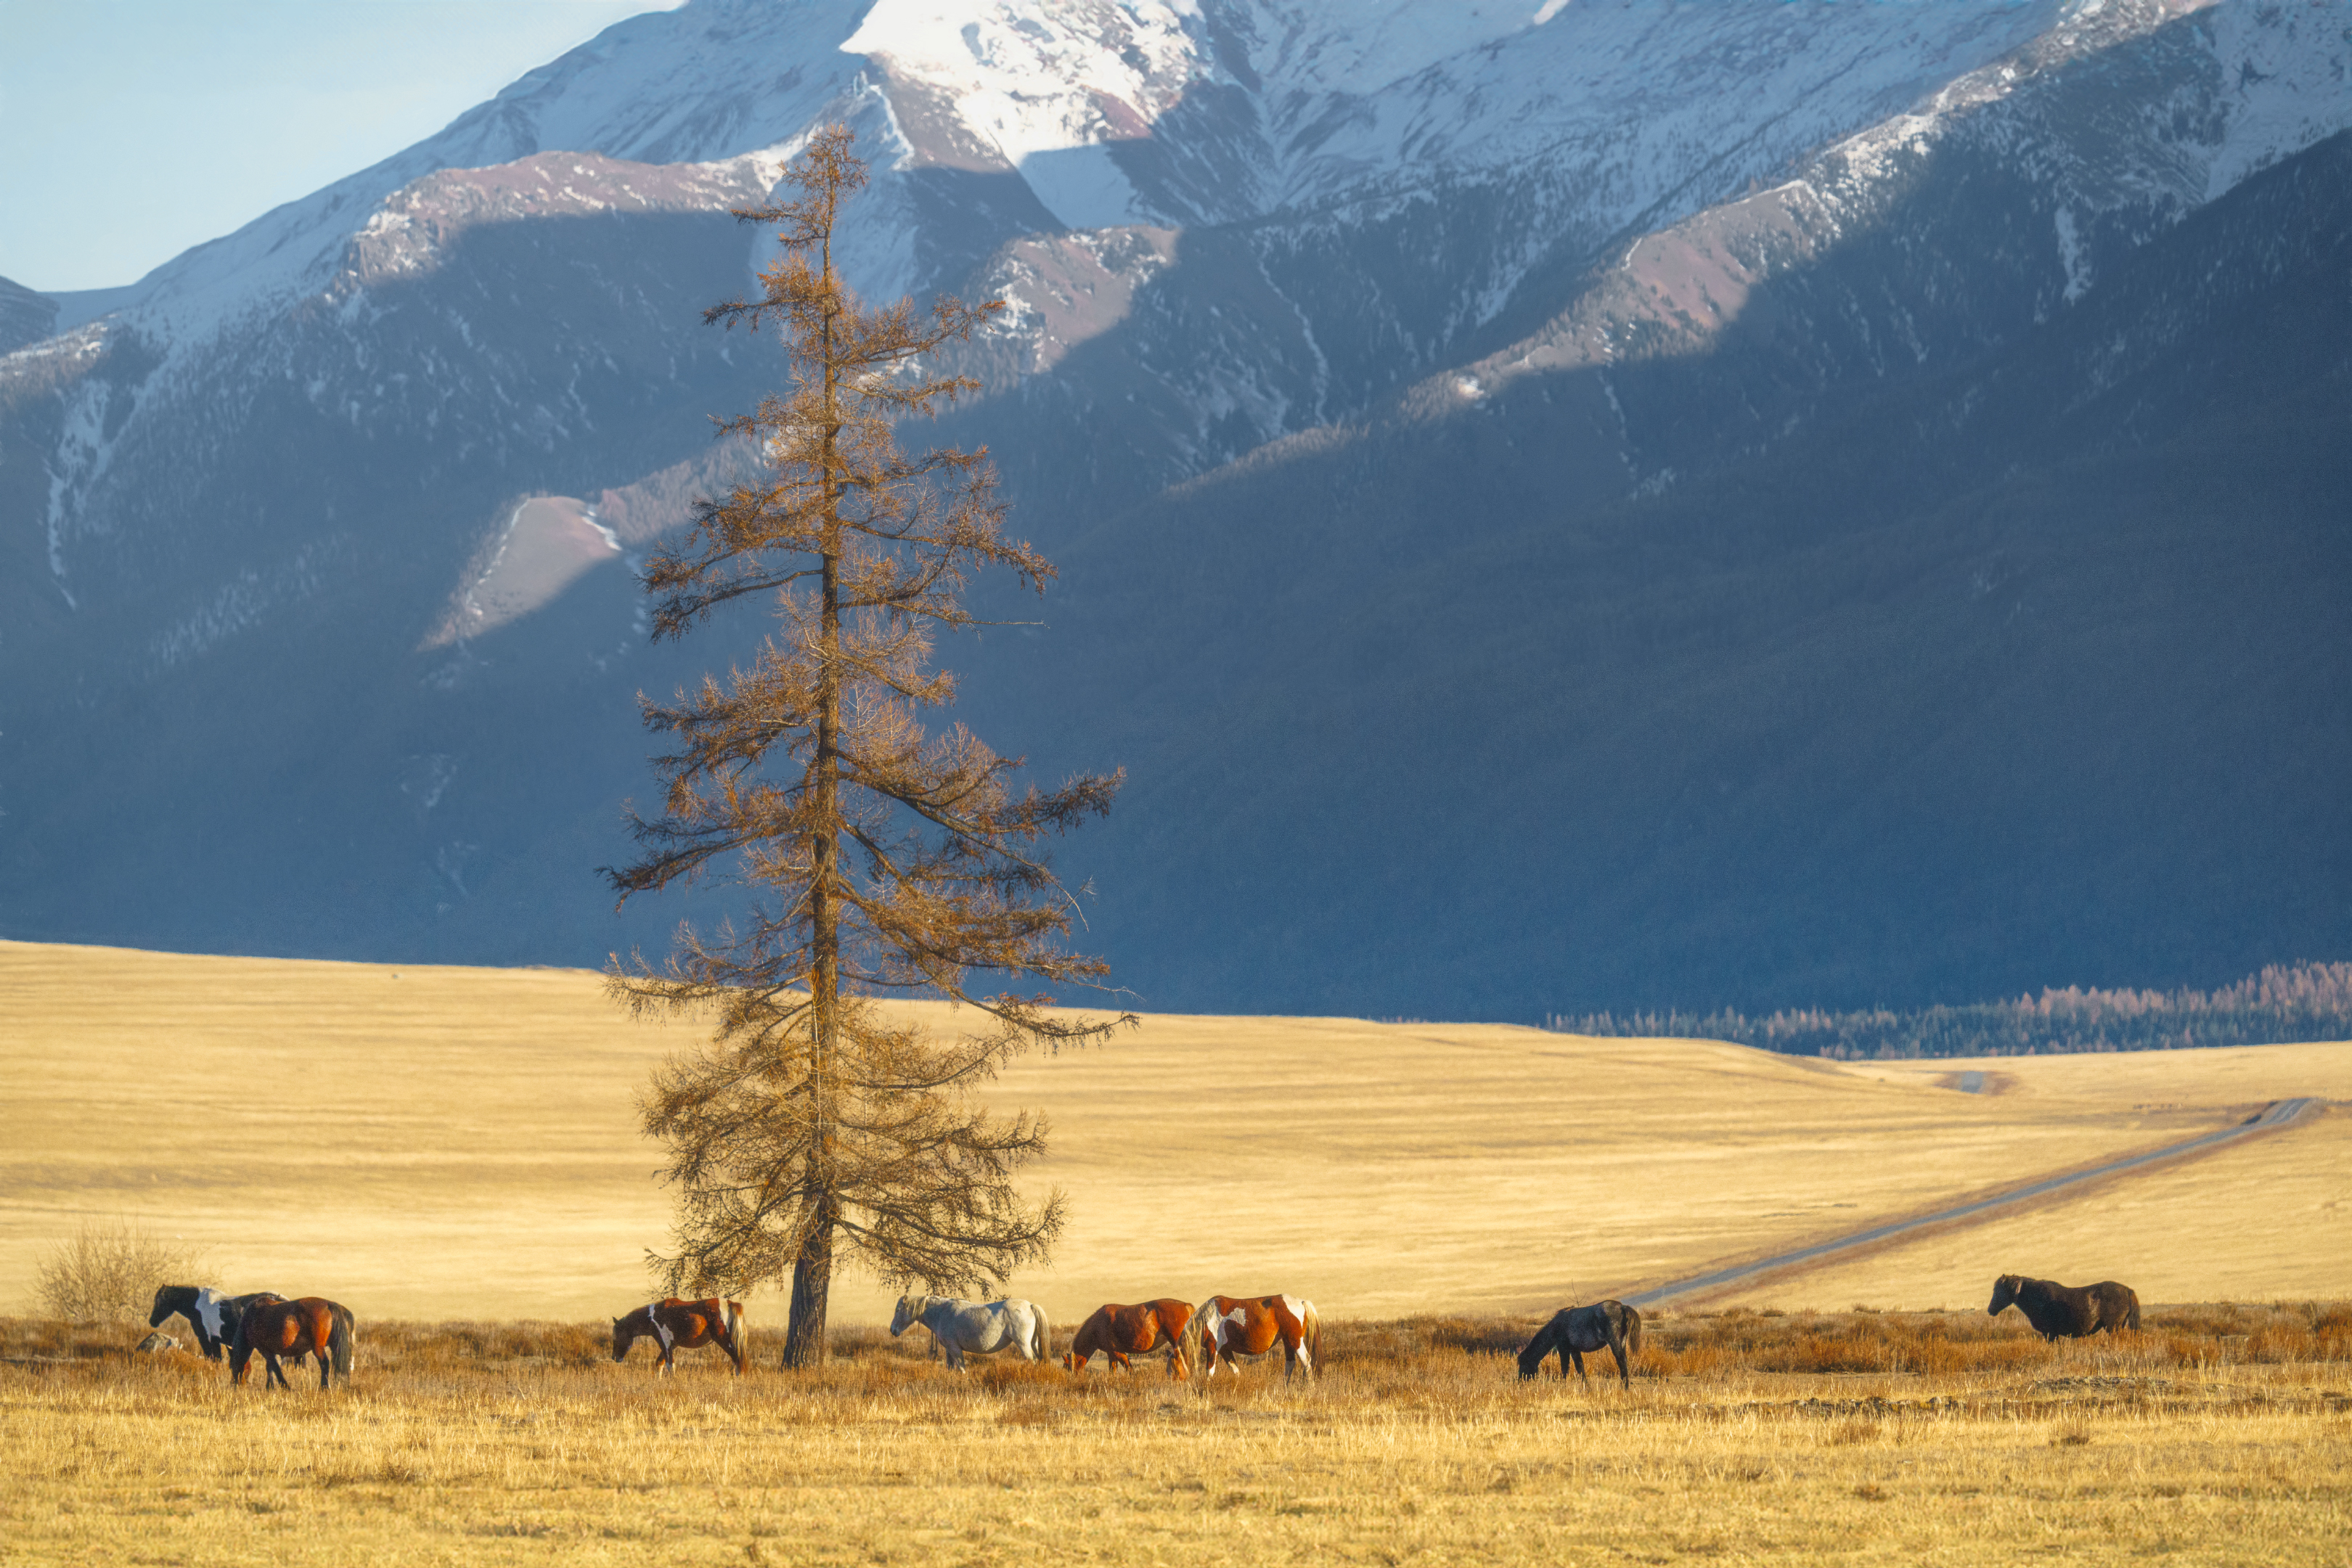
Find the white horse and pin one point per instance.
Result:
(976, 1326)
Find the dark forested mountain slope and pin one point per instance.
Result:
(2034, 667)
(1665, 504)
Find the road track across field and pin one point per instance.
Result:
(2275, 1115)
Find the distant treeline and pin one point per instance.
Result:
(2304, 1002)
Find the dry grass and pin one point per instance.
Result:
(423, 1142)
(520, 1443)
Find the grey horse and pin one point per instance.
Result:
(976, 1326)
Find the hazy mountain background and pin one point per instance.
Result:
(1612, 506)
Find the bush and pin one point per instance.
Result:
(110, 1271)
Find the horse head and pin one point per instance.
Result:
(2004, 1291)
(909, 1309)
(167, 1301)
(623, 1337)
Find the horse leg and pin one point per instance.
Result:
(238, 1364)
(1617, 1348)
(326, 1365)
(1578, 1357)
(277, 1373)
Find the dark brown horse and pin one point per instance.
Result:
(287, 1329)
(1575, 1331)
(1121, 1332)
(2067, 1311)
(1252, 1325)
(676, 1325)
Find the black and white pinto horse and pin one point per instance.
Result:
(1577, 1331)
(219, 1322)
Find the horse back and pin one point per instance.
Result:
(278, 1327)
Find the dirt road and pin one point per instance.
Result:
(2277, 1114)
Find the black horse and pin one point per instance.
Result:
(2067, 1311)
(1573, 1331)
(219, 1320)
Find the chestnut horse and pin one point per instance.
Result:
(1121, 1332)
(2067, 1311)
(1251, 1325)
(302, 1327)
(678, 1325)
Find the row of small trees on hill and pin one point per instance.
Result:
(2281, 1004)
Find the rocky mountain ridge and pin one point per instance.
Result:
(1241, 241)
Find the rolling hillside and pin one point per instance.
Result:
(435, 1142)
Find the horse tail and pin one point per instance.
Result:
(343, 1339)
(2131, 1308)
(1310, 1334)
(1633, 1330)
(1044, 1333)
(735, 1332)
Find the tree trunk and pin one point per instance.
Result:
(804, 1340)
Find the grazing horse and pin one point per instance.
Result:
(1119, 1332)
(678, 1325)
(976, 1328)
(2066, 1311)
(219, 1322)
(280, 1328)
(1574, 1332)
(1251, 1325)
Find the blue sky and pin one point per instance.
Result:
(130, 130)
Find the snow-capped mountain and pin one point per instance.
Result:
(281, 477)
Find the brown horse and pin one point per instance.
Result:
(1252, 1325)
(2067, 1311)
(678, 1325)
(302, 1327)
(1121, 1332)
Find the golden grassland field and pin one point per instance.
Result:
(460, 1144)
(452, 1153)
(2217, 1435)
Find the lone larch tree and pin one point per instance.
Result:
(884, 858)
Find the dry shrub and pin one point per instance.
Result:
(1487, 1336)
(998, 1375)
(1686, 1360)
(110, 1270)
(2071, 1434)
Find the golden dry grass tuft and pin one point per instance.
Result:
(523, 1443)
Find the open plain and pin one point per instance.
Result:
(431, 1143)
(452, 1153)
(2218, 1436)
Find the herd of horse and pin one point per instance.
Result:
(1224, 1328)
(235, 1327)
